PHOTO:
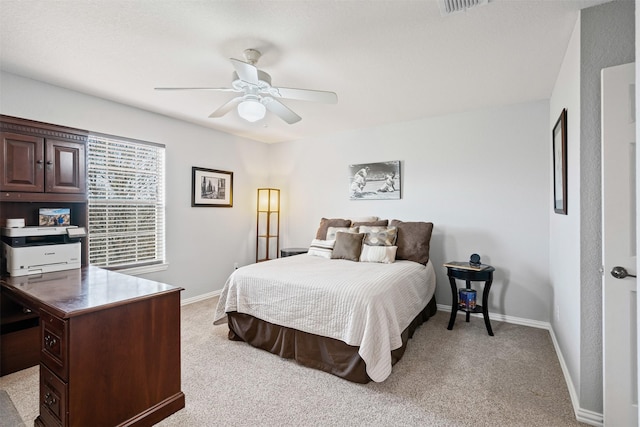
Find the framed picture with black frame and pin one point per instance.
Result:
(559, 136)
(211, 188)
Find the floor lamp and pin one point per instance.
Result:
(268, 229)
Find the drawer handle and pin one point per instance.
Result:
(49, 399)
(50, 341)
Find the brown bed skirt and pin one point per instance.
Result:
(326, 354)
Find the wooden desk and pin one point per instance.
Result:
(109, 346)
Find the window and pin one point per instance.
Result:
(126, 202)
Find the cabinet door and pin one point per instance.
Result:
(65, 168)
(22, 168)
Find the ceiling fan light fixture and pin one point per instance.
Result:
(251, 110)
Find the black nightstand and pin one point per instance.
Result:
(459, 270)
(292, 251)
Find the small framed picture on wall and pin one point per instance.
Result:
(211, 188)
(559, 136)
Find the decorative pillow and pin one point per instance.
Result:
(383, 254)
(348, 246)
(413, 240)
(364, 219)
(332, 231)
(379, 236)
(326, 223)
(321, 248)
(378, 223)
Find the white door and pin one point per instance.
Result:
(620, 384)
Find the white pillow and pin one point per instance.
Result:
(383, 254)
(364, 219)
(321, 248)
(331, 231)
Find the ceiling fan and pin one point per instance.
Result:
(257, 93)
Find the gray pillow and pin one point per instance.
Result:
(348, 246)
(325, 223)
(413, 240)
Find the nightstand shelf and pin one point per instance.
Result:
(476, 309)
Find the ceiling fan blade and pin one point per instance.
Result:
(220, 89)
(224, 109)
(306, 95)
(280, 110)
(246, 72)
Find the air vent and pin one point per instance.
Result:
(448, 7)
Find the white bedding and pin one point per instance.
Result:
(360, 303)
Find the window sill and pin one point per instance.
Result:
(135, 271)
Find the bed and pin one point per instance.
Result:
(346, 316)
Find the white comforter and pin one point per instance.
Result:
(363, 304)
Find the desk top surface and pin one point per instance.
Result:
(73, 292)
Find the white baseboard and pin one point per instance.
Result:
(503, 318)
(200, 297)
(583, 415)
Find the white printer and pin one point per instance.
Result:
(35, 250)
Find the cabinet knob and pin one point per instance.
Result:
(49, 162)
(50, 341)
(49, 399)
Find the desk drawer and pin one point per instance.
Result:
(53, 398)
(54, 344)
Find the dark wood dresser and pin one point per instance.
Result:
(109, 346)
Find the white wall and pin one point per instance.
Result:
(481, 177)
(564, 235)
(202, 243)
(606, 39)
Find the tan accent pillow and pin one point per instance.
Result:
(378, 223)
(413, 240)
(348, 246)
(379, 236)
(332, 231)
(325, 223)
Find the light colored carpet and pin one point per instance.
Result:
(461, 377)
(10, 416)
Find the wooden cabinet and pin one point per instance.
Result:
(109, 347)
(65, 166)
(40, 158)
(42, 166)
(23, 164)
(19, 335)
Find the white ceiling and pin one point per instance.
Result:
(388, 61)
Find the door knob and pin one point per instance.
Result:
(620, 272)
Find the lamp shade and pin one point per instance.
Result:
(251, 110)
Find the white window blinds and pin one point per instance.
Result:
(126, 202)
